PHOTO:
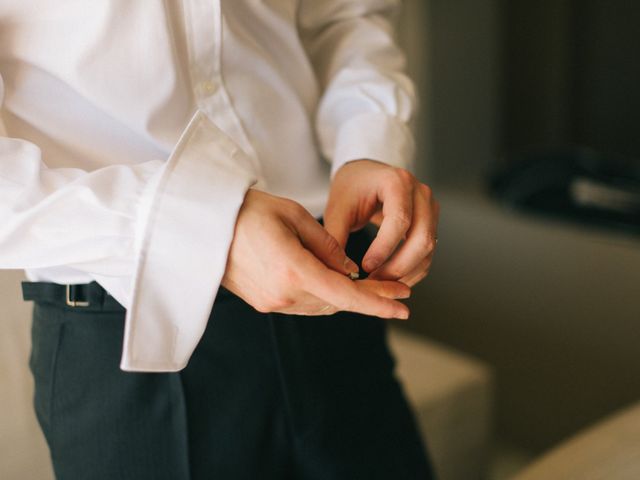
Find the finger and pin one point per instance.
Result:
(386, 288)
(337, 220)
(397, 209)
(324, 246)
(345, 294)
(420, 239)
(418, 273)
(310, 305)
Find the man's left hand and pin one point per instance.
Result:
(405, 210)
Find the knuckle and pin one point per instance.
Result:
(275, 302)
(405, 176)
(298, 212)
(426, 190)
(400, 181)
(262, 306)
(395, 178)
(281, 302)
(427, 244)
(295, 210)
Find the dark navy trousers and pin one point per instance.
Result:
(264, 396)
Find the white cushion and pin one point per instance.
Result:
(451, 395)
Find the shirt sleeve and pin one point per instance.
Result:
(163, 228)
(368, 101)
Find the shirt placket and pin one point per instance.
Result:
(204, 27)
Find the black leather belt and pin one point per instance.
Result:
(87, 296)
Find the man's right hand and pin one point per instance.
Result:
(282, 260)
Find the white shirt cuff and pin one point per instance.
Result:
(184, 248)
(374, 136)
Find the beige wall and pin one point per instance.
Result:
(553, 308)
(20, 457)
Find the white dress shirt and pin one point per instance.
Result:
(131, 130)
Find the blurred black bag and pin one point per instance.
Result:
(574, 184)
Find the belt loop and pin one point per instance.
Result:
(71, 297)
(86, 296)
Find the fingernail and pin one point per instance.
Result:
(371, 264)
(350, 266)
(404, 315)
(405, 295)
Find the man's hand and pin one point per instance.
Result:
(368, 191)
(282, 260)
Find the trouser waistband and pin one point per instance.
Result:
(89, 297)
(86, 297)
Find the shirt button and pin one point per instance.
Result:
(209, 87)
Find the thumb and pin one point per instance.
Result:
(337, 221)
(325, 247)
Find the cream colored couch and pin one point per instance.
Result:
(610, 450)
(450, 394)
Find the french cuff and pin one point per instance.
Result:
(374, 136)
(184, 247)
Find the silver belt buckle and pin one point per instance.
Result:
(74, 303)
